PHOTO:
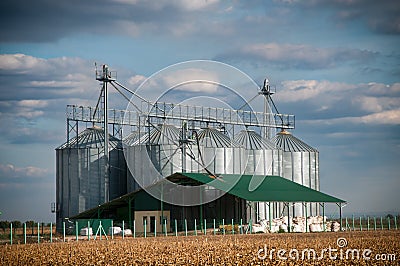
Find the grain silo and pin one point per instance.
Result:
(221, 155)
(128, 141)
(156, 154)
(261, 158)
(80, 172)
(301, 165)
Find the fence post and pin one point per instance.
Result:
(51, 232)
(241, 226)
(76, 231)
(395, 222)
(353, 223)
(214, 226)
(38, 232)
(123, 229)
(155, 227)
(374, 223)
(145, 229)
(381, 223)
(251, 226)
(112, 229)
(388, 222)
(165, 227)
(88, 226)
(24, 233)
(176, 228)
(11, 235)
(223, 226)
(185, 227)
(233, 228)
(195, 227)
(360, 224)
(368, 223)
(205, 226)
(63, 231)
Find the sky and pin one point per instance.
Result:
(335, 64)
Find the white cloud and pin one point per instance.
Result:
(299, 55)
(11, 172)
(193, 80)
(300, 90)
(33, 103)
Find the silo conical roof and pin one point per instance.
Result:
(131, 138)
(162, 134)
(287, 142)
(211, 137)
(91, 138)
(251, 140)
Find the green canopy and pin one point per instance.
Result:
(261, 188)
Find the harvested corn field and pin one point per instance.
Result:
(344, 248)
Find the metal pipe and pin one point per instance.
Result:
(233, 228)
(205, 227)
(38, 232)
(11, 233)
(155, 227)
(223, 226)
(195, 227)
(88, 226)
(63, 231)
(360, 224)
(51, 232)
(388, 219)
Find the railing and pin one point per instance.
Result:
(187, 113)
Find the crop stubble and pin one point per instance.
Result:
(201, 250)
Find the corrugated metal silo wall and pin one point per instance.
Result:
(80, 179)
(303, 168)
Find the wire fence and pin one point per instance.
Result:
(28, 233)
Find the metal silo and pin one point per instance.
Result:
(128, 141)
(261, 158)
(80, 172)
(301, 165)
(154, 155)
(221, 155)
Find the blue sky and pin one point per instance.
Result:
(335, 65)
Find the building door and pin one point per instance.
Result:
(152, 223)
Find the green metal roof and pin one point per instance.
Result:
(248, 187)
(262, 188)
